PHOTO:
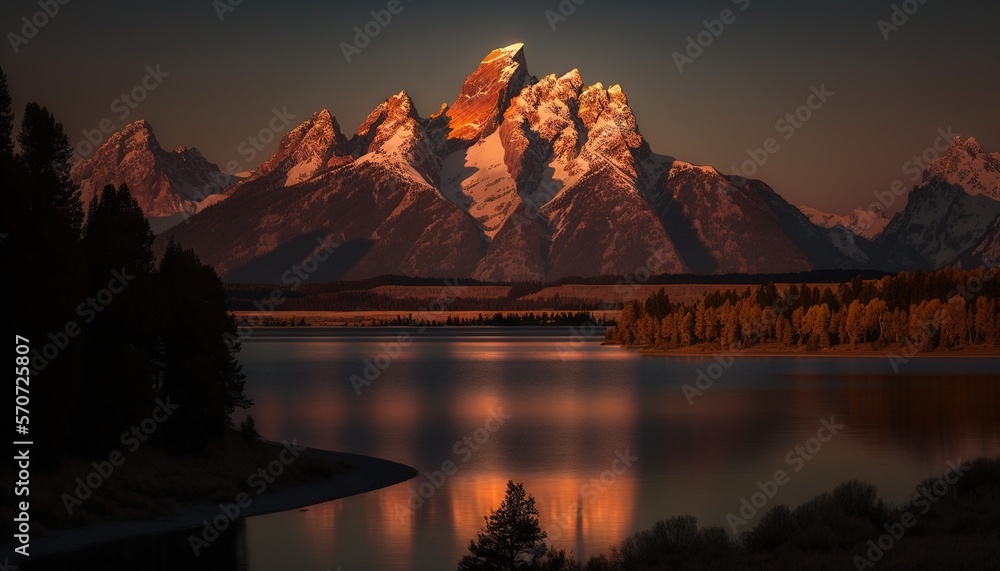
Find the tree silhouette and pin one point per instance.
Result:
(511, 538)
(45, 155)
(6, 119)
(44, 247)
(13, 195)
(122, 360)
(201, 374)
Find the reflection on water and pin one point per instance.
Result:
(572, 421)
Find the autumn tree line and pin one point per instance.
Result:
(530, 319)
(114, 334)
(921, 311)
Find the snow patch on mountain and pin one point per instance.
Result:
(164, 183)
(865, 223)
(968, 165)
(476, 180)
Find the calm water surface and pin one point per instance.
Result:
(574, 411)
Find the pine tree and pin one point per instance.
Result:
(44, 247)
(511, 538)
(13, 193)
(122, 351)
(6, 119)
(201, 374)
(45, 155)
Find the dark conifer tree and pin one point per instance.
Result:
(201, 374)
(121, 369)
(10, 185)
(44, 245)
(511, 538)
(6, 119)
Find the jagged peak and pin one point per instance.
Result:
(139, 125)
(323, 116)
(617, 97)
(441, 111)
(403, 103)
(137, 135)
(573, 78)
(323, 119)
(970, 145)
(485, 96)
(139, 130)
(397, 107)
(188, 151)
(513, 51)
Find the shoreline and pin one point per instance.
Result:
(368, 474)
(981, 352)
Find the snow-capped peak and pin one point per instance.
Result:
(485, 96)
(573, 78)
(968, 165)
(384, 122)
(306, 151)
(511, 51)
(865, 223)
(393, 135)
(164, 183)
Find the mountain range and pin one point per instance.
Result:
(525, 178)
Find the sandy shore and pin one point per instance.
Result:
(367, 474)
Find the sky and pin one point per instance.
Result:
(225, 66)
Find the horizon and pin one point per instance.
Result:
(725, 103)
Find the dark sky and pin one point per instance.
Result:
(938, 70)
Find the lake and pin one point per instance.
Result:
(606, 440)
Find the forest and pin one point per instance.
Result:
(921, 311)
(110, 332)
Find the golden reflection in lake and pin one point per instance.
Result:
(570, 412)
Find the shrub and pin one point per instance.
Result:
(248, 428)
